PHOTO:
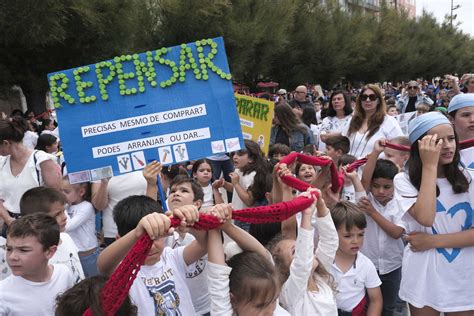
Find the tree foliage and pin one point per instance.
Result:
(289, 41)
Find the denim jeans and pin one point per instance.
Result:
(89, 263)
(390, 286)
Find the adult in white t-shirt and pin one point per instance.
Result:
(20, 170)
(106, 193)
(339, 117)
(370, 122)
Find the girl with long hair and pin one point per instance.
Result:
(436, 195)
(288, 130)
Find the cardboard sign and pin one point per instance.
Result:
(172, 104)
(403, 119)
(255, 119)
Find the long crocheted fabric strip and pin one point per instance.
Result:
(118, 286)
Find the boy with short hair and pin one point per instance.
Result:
(336, 147)
(398, 157)
(34, 284)
(353, 272)
(160, 287)
(383, 246)
(278, 151)
(52, 202)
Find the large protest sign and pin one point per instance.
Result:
(255, 119)
(172, 104)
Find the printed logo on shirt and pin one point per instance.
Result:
(163, 291)
(196, 269)
(452, 212)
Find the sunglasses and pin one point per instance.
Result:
(365, 97)
(412, 88)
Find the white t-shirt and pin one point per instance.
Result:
(352, 284)
(245, 182)
(12, 187)
(219, 291)
(118, 188)
(208, 199)
(361, 146)
(440, 278)
(161, 289)
(19, 297)
(67, 255)
(467, 157)
(196, 274)
(30, 139)
(385, 252)
(81, 225)
(4, 268)
(348, 193)
(294, 295)
(333, 125)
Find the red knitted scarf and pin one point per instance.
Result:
(117, 287)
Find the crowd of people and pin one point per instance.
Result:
(397, 233)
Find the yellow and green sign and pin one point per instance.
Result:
(255, 119)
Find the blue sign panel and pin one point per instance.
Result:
(172, 105)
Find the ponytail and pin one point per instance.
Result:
(13, 129)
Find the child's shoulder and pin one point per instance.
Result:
(66, 242)
(363, 262)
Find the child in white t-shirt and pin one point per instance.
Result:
(34, 284)
(382, 241)
(436, 195)
(247, 162)
(461, 112)
(52, 202)
(308, 288)
(160, 286)
(81, 224)
(202, 173)
(246, 283)
(353, 272)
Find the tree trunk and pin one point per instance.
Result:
(35, 97)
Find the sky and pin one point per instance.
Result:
(439, 8)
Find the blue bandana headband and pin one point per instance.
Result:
(423, 123)
(460, 101)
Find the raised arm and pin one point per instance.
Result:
(100, 196)
(151, 172)
(424, 209)
(155, 225)
(370, 164)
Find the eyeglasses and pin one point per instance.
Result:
(412, 88)
(365, 97)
